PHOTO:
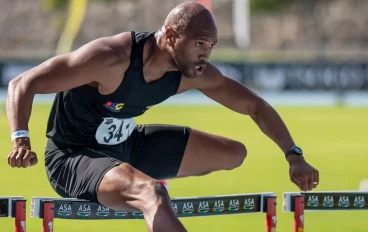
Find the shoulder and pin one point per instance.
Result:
(109, 50)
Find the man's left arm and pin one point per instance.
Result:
(237, 97)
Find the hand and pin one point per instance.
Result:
(22, 157)
(302, 174)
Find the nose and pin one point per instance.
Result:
(203, 58)
(205, 54)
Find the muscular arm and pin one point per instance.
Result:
(239, 98)
(96, 62)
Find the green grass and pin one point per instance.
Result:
(334, 141)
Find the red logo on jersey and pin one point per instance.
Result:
(114, 106)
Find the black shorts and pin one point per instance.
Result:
(156, 150)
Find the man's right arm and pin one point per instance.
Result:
(97, 61)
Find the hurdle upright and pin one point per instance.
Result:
(14, 207)
(50, 209)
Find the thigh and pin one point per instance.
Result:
(206, 153)
(78, 173)
(159, 149)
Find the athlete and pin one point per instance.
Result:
(95, 151)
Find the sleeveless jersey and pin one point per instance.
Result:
(81, 117)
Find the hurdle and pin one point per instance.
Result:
(14, 207)
(300, 202)
(49, 209)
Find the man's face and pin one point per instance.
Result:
(190, 51)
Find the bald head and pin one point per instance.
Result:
(189, 35)
(190, 17)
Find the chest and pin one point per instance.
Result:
(135, 96)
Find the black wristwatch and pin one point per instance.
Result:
(294, 150)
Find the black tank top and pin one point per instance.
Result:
(81, 117)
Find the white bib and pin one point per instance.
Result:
(113, 131)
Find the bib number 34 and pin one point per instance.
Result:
(114, 130)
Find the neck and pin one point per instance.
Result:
(160, 57)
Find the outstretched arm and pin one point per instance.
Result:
(241, 99)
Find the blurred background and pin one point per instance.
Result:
(314, 51)
(306, 58)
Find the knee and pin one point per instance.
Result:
(127, 186)
(145, 195)
(237, 154)
(152, 194)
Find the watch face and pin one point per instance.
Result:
(297, 149)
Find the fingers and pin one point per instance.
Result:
(310, 181)
(19, 157)
(316, 178)
(305, 183)
(11, 158)
(33, 161)
(27, 159)
(296, 181)
(22, 157)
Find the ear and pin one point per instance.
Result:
(171, 36)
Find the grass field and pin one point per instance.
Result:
(335, 140)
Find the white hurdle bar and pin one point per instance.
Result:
(70, 208)
(14, 207)
(300, 202)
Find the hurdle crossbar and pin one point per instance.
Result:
(70, 208)
(14, 207)
(300, 202)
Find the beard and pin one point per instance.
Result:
(186, 68)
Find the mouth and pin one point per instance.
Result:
(199, 69)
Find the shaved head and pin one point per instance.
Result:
(188, 16)
(190, 33)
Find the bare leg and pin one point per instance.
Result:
(125, 187)
(206, 153)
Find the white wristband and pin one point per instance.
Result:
(19, 134)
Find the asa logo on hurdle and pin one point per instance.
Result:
(203, 207)
(187, 208)
(359, 202)
(65, 210)
(103, 211)
(328, 201)
(313, 201)
(249, 204)
(84, 211)
(219, 206)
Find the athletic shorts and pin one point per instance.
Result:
(156, 150)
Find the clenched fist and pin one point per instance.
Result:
(22, 157)
(303, 175)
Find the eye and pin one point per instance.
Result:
(199, 44)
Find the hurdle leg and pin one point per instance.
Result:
(271, 214)
(299, 214)
(48, 216)
(20, 215)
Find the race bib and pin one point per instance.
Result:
(114, 130)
